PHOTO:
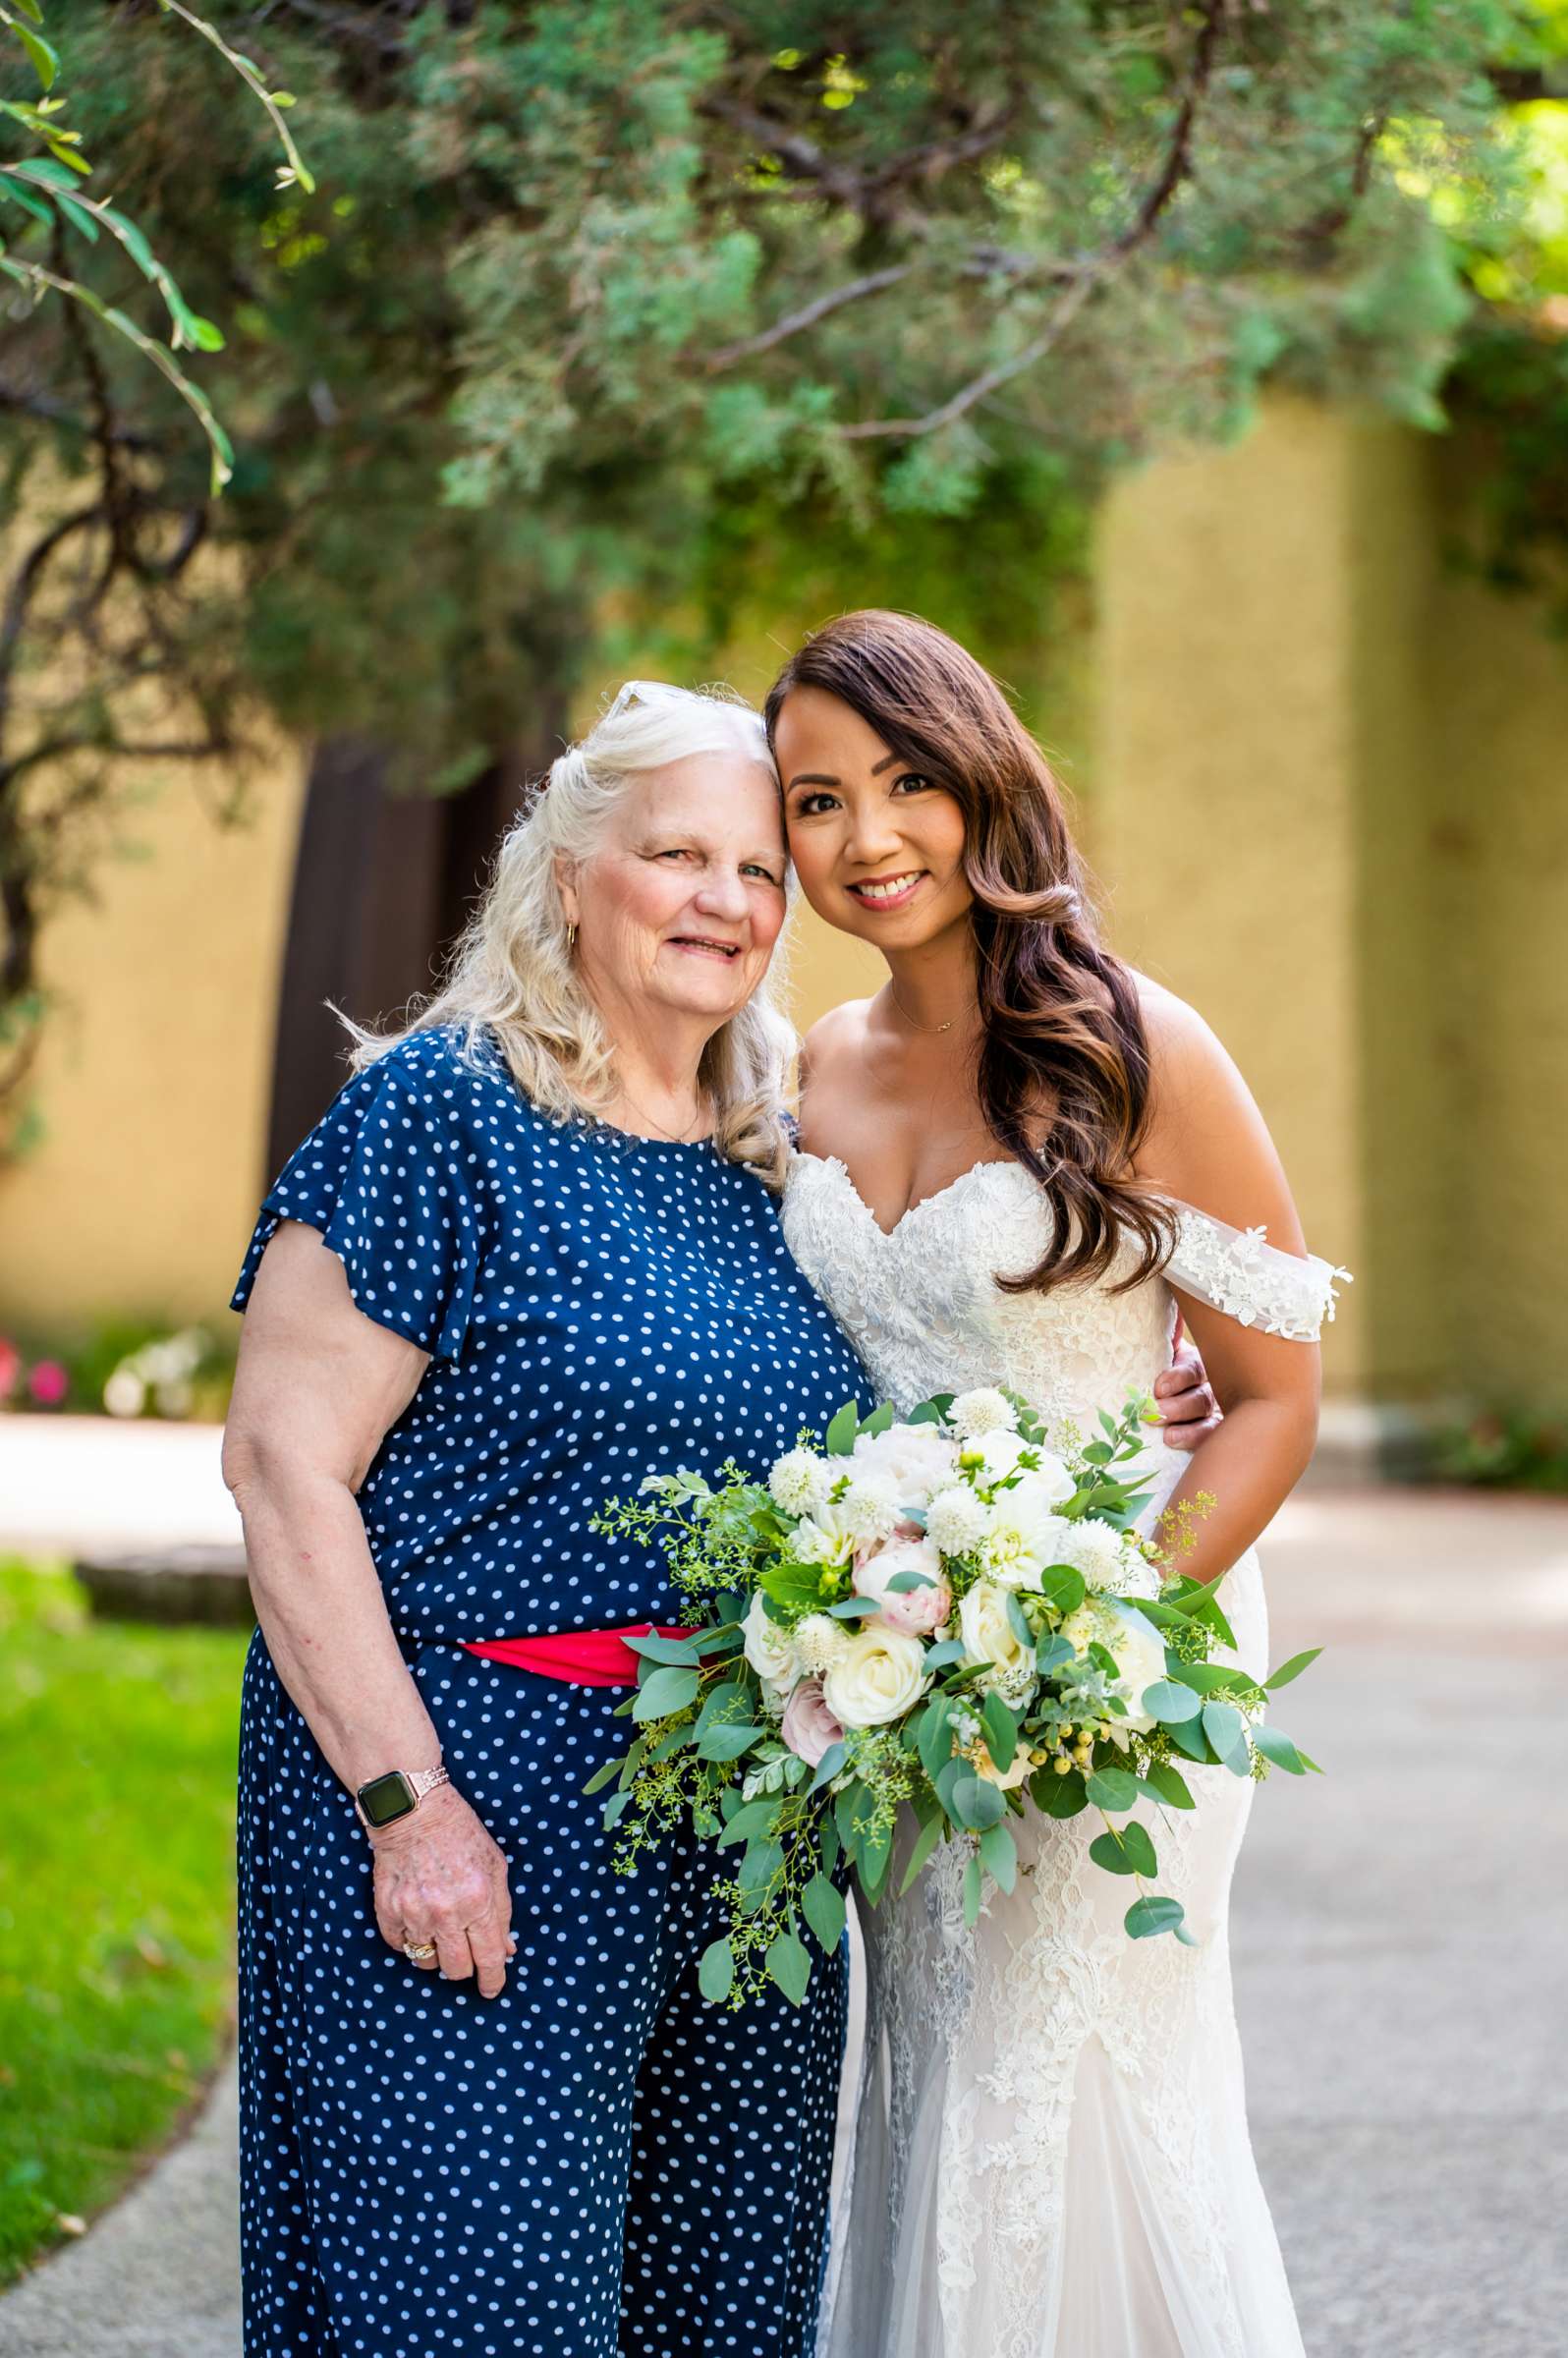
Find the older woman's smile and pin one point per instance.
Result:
(705, 945)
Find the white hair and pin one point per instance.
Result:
(512, 970)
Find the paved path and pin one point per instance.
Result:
(1398, 1930)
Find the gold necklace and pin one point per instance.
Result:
(932, 1030)
(671, 1137)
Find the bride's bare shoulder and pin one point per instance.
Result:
(1207, 1141)
(835, 1040)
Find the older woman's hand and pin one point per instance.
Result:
(441, 1878)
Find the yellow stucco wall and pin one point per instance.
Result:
(153, 1083)
(1222, 816)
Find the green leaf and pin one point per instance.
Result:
(27, 199)
(664, 1691)
(654, 1649)
(1018, 1620)
(759, 1867)
(1129, 1852)
(854, 1609)
(1051, 1652)
(1296, 1663)
(31, 9)
(1169, 1784)
(789, 1965)
(842, 1430)
(752, 1817)
(1171, 1700)
(879, 1419)
(1153, 1914)
(828, 1766)
(1224, 1727)
(951, 1650)
(973, 1889)
(1001, 1731)
(716, 1972)
(999, 1856)
(925, 1842)
(975, 1802)
(1191, 1740)
(823, 1906)
(936, 1736)
(1064, 1587)
(602, 1777)
(902, 1581)
(1060, 1796)
(1112, 1788)
(1278, 1748)
(727, 1743)
(45, 59)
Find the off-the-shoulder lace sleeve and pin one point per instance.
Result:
(1239, 1272)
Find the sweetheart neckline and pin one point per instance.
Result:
(836, 1162)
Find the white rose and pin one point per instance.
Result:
(870, 1507)
(770, 1647)
(957, 1520)
(1048, 1480)
(1141, 1659)
(824, 1537)
(878, 1677)
(799, 1482)
(982, 1411)
(917, 1459)
(988, 1634)
(998, 1454)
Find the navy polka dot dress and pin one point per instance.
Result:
(597, 2161)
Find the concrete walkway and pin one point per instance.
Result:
(1398, 1929)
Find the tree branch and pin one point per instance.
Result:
(1089, 275)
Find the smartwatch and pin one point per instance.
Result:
(385, 1799)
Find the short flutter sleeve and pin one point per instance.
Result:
(1239, 1272)
(386, 1178)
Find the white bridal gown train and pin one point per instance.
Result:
(1051, 2156)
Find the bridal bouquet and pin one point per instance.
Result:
(951, 1614)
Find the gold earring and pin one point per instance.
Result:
(571, 939)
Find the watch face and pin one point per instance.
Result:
(387, 1797)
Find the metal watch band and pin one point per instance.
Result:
(376, 1800)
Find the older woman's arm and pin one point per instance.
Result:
(319, 1385)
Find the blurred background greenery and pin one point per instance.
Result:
(1204, 367)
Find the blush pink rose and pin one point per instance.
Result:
(912, 1613)
(807, 1726)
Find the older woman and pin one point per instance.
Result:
(526, 1255)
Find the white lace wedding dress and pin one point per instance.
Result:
(1051, 2153)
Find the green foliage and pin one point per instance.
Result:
(116, 1894)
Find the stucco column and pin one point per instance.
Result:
(1234, 755)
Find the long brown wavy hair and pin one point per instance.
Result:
(1063, 1072)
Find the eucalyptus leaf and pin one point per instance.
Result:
(664, 1691)
(789, 1965)
(1112, 1788)
(1296, 1663)
(715, 1973)
(1169, 1783)
(999, 1856)
(823, 1906)
(925, 1842)
(1277, 1746)
(842, 1430)
(1153, 1914)
(976, 1802)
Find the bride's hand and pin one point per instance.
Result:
(1187, 1405)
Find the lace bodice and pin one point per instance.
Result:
(921, 1304)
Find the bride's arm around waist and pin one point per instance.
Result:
(1257, 1305)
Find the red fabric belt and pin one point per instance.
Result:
(589, 1658)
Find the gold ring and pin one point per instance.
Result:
(418, 1950)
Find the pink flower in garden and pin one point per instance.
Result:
(10, 1367)
(48, 1383)
(809, 1728)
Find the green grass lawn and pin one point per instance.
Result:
(116, 1894)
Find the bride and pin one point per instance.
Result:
(1017, 1161)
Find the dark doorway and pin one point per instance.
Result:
(382, 886)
